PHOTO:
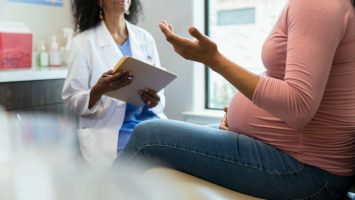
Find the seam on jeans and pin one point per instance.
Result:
(213, 157)
(318, 192)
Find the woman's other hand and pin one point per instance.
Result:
(109, 81)
(200, 49)
(224, 124)
(149, 97)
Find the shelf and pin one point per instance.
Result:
(33, 75)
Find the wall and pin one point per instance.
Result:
(42, 20)
(180, 94)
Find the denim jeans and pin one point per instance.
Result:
(231, 160)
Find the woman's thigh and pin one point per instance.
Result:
(232, 160)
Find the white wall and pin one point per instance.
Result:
(42, 20)
(180, 94)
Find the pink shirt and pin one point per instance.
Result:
(305, 103)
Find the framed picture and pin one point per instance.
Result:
(58, 3)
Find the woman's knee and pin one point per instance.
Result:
(148, 129)
(157, 131)
(147, 126)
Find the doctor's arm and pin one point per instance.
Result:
(109, 81)
(77, 94)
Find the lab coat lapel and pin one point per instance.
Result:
(108, 49)
(136, 43)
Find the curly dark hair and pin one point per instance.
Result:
(86, 13)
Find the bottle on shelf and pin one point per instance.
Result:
(55, 57)
(68, 34)
(43, 56)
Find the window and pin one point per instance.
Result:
(236, 16)
(239, 27)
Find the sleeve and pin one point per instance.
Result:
(76, 90)
(159, 109)
(315, 29)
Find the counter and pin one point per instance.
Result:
(33, 75)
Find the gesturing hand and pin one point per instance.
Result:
(149, 97)
(200, 49)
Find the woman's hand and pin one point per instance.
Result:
(200, 49)
(109, 81)
(224, 123)
(149, 97)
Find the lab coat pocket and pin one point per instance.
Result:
(98, 146)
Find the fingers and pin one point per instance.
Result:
(164, 24)
(224, 125)
(117, 80)
(149, 97)
(224, 128)
(170, 26)
(197, 34)
(121, 75)
(115, 85)
(108, 73)
(225, 109)
(170, 36)
(150, 94)
(167, 30)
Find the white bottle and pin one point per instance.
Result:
(43, 55)
(68, 34)
(55, 57)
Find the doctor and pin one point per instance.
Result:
(106, 33)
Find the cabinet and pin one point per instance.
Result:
(34, 92)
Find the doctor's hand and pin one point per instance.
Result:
(109, 81)
(200, 49)
(224, 124)
(149, 97)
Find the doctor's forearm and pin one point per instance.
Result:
(95, 96)
(239, 77)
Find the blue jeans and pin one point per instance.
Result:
(232, 160)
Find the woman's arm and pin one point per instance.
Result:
(315, 29)
(203, 50)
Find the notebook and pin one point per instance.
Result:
(145, 76)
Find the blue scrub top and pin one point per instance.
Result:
(134, 115)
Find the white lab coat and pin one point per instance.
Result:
(94, 52)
